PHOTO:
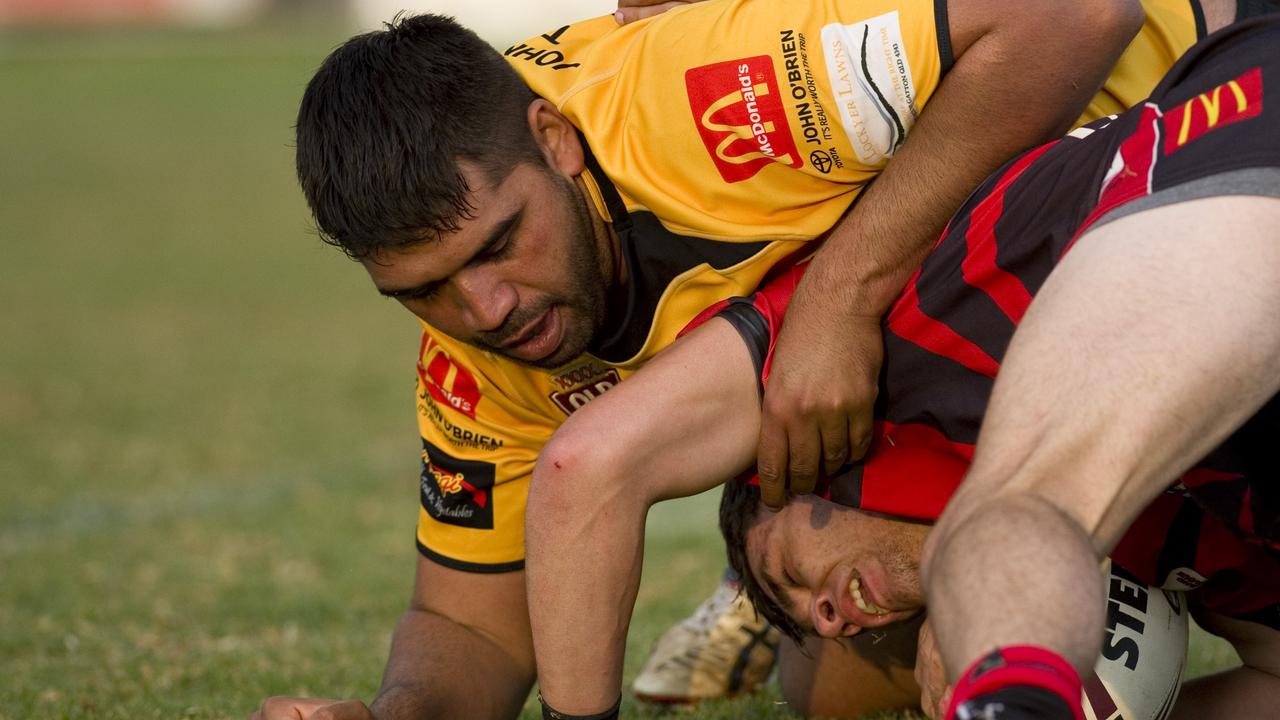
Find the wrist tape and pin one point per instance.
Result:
(1022, 681)
(550, 713)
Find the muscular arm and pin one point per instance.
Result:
(1151, 341)
(683, 424)
(1018, 79)
(461, 650)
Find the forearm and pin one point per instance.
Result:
(441, 669)
(1246, 692)
(683, 424)
(982, 114)
(1243, 693)
(583, 566)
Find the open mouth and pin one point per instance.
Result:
(863, 603)
(527, 333)
(537, 340)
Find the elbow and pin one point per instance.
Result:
(576, 476)
(560, 483)
(1111, 23)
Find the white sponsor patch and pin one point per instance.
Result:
(1182, 578)
(871, 84)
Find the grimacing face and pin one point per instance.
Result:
(834, 569)
(526, 277)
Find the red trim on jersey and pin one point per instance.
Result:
(979, 265)
(912, 470)
(1133, 166)
(908, 321)
(1199, 477)
(1246, 511)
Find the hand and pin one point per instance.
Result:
(818, 399)
(632, 10)
(291, 708)
(935, 693)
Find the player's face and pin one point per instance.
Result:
(527, 277)
(836, 570)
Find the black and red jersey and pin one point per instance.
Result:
(1209, 129)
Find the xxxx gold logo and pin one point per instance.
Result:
(1230, 102)
(740, 116)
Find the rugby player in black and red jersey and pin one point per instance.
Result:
(1165, 355)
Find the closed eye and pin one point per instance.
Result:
(502, 243)
(786, 578)
(424, 292)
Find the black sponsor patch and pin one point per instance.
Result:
(457, 492)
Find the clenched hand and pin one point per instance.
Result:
(818, 401)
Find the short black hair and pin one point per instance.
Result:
(385, 120)
(739, 510)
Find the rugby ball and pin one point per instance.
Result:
(1144, 651)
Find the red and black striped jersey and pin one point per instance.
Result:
(1217, 529)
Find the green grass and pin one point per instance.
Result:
(208, 475)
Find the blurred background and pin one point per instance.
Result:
(208, 460)
(500, 21)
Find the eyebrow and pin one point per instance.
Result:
(499, 231)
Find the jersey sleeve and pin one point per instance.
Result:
(479, 444)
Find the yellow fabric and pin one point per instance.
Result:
(664, 106)
(1169, 29)
(632, 88)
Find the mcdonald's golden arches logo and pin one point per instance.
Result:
(1230, 102)
(738, 111)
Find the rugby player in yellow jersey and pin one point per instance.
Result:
(553, 243)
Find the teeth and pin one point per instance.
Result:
(866, 606)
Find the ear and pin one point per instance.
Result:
(556, 137)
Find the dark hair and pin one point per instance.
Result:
(385, 121)
(739, 508)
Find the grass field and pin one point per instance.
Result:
(208, 463)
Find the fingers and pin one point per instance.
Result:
(346, 710)
(835, 443)
(860, 426)
(796, 447)
(930, 675)
(632, 10)
(292, 708)
(771, 460)
(803, 459)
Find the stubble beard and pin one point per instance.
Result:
(583, 308)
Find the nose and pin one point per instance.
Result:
(484, 298)
(827, 621)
